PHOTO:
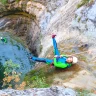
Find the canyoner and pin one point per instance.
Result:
(60, 61)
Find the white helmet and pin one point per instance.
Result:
(75, 60)
(1, 38)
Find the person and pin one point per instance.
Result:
(60, 61)
(4, 40)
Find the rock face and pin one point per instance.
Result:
(60, 23)
(43, 11)
(79, 80)
(85, 18)
(50, 17)
(85, 22)
(55, 17)
(21, 26)
(33, 38)
(46, 12)
(26, 25)
(53, 91)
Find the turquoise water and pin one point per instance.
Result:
(16, 52)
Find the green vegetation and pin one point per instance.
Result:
(6, 1)
(39, 78)
(40, 82)
(1, 74)
(84, 2)
(3, 1)
(12, 76)
(79, 19)
(17, 0)
(82, 92)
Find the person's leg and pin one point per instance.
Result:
(56, 51)
(45, 60)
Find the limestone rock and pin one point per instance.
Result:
(53, 91)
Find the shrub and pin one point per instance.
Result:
(40, 82)
(38, 78)
(83, 2)
(82, 92)
(3, 1)
(12, 76)
(6, 1)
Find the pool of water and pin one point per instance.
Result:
(15, 51)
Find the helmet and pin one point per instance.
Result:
(1, 38)
(75, 60)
